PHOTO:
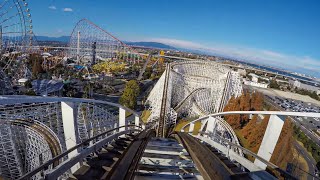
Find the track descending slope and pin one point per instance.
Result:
(166, 158)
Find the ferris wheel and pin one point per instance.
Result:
(16, 37)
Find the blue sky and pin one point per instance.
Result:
(280, 33)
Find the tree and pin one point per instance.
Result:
(86, 91)
(260, 80)
(256, 101)
(244, 103)
(314, 95)
(147, 73)
(109, 67)
(318, 165)
(248, 129)
(28, 84)
(274, 84)
(69, 91)
(233, 120)
(283, 151)
(30, 93)
(255, 138)
(134, 69)
(130, 94)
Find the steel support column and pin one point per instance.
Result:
(122, 119)
(270, 139)
(69, 120)
(191, 128)
(136, 120)
(210, 125)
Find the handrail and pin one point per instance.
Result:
(51, 161)
(223, 123)
(20, 99)
(280, 113)
(246, 151)
(243, 149)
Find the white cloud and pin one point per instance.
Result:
(178, 43)
(60, 31)
(67, 9)
(52, 7)
(302, 64)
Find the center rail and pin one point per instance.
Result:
(127, 165)
(161, 130)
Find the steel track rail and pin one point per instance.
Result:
(210, 166)
(248, 152)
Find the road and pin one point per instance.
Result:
(310, 161)
(109, 98)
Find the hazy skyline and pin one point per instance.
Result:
(279, 33)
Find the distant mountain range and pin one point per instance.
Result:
(152, 45)
(65, 39)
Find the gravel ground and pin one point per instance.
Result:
(274, 92)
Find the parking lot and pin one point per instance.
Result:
(287, 104)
